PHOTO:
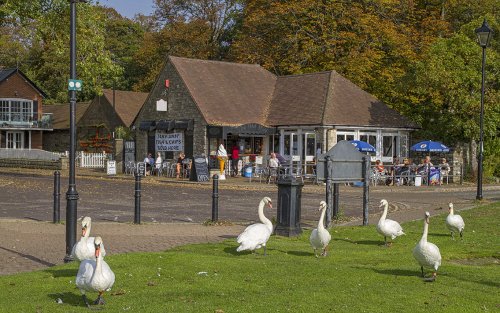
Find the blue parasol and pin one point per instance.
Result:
(362, 146)
(430, 146)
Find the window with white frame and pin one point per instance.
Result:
(16, 110)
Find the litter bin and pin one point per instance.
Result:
(289, 206)
(247, 171)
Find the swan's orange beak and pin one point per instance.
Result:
(97, 251)
(270, 205)
(84, 230)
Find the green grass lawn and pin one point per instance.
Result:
(359, 275)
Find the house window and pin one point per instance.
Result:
(15, 140)
(345, 135)
(388, 146)
(16, 110)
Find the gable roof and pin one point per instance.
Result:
(7, 72)
(60, 113)
(127, 103)
(328, 98)
(227, 93)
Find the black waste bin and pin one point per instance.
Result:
(289, 206)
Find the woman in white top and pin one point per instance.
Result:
(158, 161)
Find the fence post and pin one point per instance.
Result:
(215, 199)
(335, 200)
(56, 218)
(137, 212)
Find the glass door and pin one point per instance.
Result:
(15, 140)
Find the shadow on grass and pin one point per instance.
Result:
(67, 272)
(362, 242)
(440, 235)
(397, 272)
(69, 298)
(299, 253)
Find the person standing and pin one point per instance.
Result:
(158, 162)
(235, 156)
(273, 165)
(179, 164)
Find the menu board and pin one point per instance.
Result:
(199, 170)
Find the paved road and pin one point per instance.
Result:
(30, 196)
(172, 212)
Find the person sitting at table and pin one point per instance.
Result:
(273, 165)
(424, 167)
(444, 168)
(379, 167)
(181, 158)
(149, 161)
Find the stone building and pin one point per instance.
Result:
(195, 105)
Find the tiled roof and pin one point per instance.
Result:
(327, 98)
(60, 113)
(127, 103)
(7, 72)
(4, 73)
(227, 93)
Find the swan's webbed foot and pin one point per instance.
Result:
(84, 297)
(432, 278)
(99, 300)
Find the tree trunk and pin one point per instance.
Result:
(473, 159)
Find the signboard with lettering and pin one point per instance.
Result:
(199, 169)
(141, 169)
(111, 167)
(169, 142)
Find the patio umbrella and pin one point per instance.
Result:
(430, 146)
(362, 146)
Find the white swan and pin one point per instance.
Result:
(95, 275)
(454, 222)
(426, 253)
(84, 249)
(320, 237)
(387, 227)
(256, 235)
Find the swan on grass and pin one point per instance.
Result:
(256, 235)
(387, 227)
(454, 222)
(426, 253)
(95, 275)
(320, 237)
(85, 249)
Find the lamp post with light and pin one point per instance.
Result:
(483, 37)
(73, 86)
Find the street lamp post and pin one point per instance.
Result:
(483, 37)
(72, 194)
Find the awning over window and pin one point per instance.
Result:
(165, 125)
(147, 125)
(249, 129)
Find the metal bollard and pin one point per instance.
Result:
(215, 199)
(137, 213)
(366, 188)
(329, 191)
(56, 218)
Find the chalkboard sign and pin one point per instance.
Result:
(111, 167)
(199, 169)
(141, 169)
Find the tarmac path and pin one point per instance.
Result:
(172, 211)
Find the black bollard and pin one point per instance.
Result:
(366, 191)
(137, 213)
(329, 191)
(56, 218)
(336, 201)
(215, 199)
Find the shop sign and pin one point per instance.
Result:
(169, 142)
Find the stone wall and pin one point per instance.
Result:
(180, 106)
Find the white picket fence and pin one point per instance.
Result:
(91, 160)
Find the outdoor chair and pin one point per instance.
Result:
(130, 167)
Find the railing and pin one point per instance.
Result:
(32, 154)
(92, 160)
(412, 175)
(26, 120)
